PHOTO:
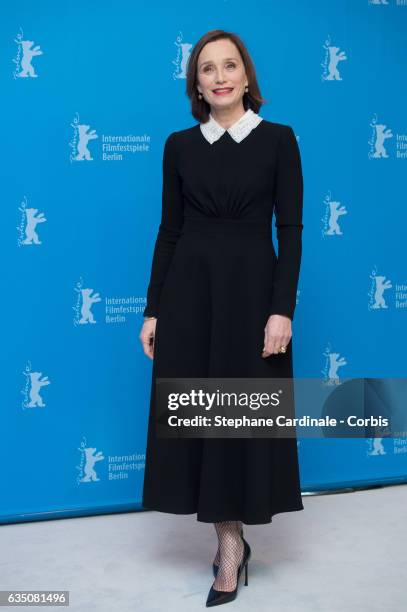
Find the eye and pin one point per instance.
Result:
(229, 64)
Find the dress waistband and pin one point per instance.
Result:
(229, 225)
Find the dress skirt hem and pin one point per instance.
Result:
(206, 519)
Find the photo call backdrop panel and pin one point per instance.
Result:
(90, 92)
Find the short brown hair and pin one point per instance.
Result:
(199, 107)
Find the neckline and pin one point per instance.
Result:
(213, 131)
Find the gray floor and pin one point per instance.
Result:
(344, 552)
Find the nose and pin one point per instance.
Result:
(219, 77)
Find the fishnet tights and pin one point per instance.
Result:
(217, 556)
(230, 554)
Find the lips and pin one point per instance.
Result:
(222, 90)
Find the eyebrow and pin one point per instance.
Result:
(225, 60)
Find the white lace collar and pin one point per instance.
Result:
(212, 130)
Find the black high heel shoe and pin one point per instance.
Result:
(215, 597)
(215, 567)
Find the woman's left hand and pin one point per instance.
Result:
(278, 332)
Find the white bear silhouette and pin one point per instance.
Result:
(87, 301)
(28, 54)
(334, 59)
(381, 285)
(335, 211)
(91, 459)
(185, 53)
(32, 220)
(378, 448)
(334, 364)
(84, 137)
(381, 135)
(36, 384)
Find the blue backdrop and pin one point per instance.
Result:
(90, 91)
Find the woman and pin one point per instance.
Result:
(220, 303)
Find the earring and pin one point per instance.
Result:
(199, 95)
(246, 88)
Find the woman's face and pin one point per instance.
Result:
(220, 66)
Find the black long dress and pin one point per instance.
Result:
(215, 280)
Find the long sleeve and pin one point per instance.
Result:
(288, 212)
(170, 226)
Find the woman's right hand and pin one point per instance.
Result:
(147, 336)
